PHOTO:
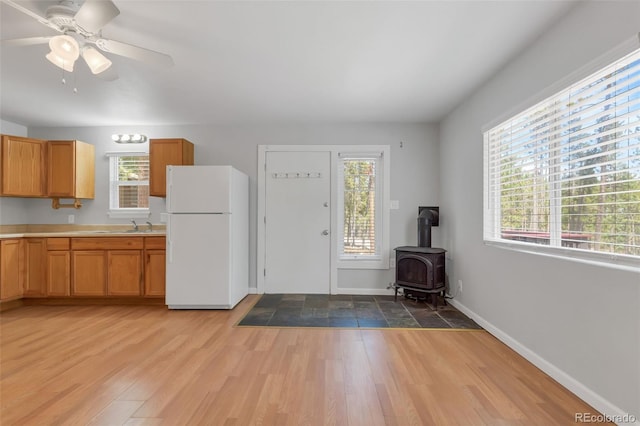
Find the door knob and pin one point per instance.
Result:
(326, 204)
(325, 232)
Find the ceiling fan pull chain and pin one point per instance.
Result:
(75, 81)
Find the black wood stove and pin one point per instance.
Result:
(420, 271)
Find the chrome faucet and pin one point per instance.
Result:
(150, 226)
(135, 225)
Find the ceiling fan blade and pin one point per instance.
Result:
(95, 14)
(141, 54)
(34, 15)
(28, 41)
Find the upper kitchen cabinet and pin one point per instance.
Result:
(163, 153)
(23, 167)
(71, 170)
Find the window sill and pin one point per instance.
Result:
(615, 261)
(128, 214)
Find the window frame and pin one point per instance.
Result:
(382, 211)
(492, 225)
(118, 212)
(341, 193)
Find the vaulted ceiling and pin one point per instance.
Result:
(272, 61)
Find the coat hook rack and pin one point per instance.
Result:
(56, 204)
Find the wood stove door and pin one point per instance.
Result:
(298, 222)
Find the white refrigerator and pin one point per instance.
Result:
(207, 237)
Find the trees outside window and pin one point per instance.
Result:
(129, 183)
(566, 172)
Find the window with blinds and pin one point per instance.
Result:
(566, 172)
(129, 182)
(360, 206)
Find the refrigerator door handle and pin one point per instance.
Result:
(169, 244)
(169, 184)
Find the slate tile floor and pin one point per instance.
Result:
(320, 310)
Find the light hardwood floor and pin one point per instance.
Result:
(145, 365)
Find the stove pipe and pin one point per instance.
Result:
(426, 219)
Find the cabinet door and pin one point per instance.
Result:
(62, 166)
(23, 167)
(89, 273)
(36, 256)
(11, 269)
(162, 153)
(154, 273)
(71, 169)
(85, 170)
(124, 272)
(58, 273)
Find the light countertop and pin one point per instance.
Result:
(71, 231)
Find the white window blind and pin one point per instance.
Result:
(129, 182)
(360, 200)
(566, 172)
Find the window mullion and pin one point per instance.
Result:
(555, 186)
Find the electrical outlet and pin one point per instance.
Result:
(460, 285)
(71, 219)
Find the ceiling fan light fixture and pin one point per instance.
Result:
(96, 61)
(60, 62)
(65, 47)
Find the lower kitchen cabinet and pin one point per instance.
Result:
(154, 267)
(35, 282)
(89, 276)
(124, 273)
(107, 266)
(58, 273)
(58, 267)
(12, 268)
(107, 272)
(154, 273)
(82, 267)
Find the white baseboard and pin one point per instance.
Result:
(610, 411)
(352, 291)
(366, 291)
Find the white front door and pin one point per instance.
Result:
(298, 219)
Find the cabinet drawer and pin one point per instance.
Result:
(58, 244)
(108, 243)
(155, 243)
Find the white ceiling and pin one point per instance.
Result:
(273, 61)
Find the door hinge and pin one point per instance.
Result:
(265, 220)
(265, 272)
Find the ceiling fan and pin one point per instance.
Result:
(81, 29)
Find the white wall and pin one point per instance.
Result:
(414, 172)
(581, 323)
(12, 210)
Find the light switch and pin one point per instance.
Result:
(395, 204)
